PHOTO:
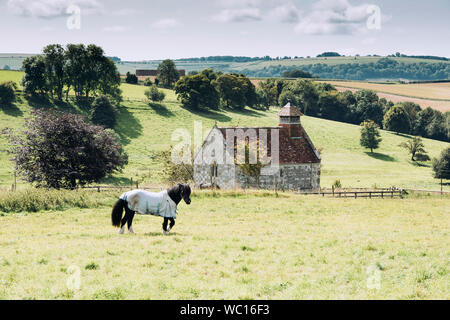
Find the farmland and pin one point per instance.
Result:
(146, 130)
(234, 246)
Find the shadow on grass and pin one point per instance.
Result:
(210, 114)
(159, 234)
(380, 156)
(161, 109)
(11, 110)
(127, 127)
(420, 164)
(39, 102)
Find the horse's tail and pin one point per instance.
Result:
(117, 212)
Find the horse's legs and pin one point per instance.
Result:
(172, 223)
(130, 222)
(166, 221)
(124, 220)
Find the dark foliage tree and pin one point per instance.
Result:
(103, 113)
(131, 78)
(60, 150)
(297, 73)
(7, 93)
(306, 96)
(54, 57)
(197, 92)
(441, 165)
(370, 135)
(34, 80)
(235, 91)
(168, 73)
(366, 107)
(397, 120)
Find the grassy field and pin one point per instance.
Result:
(146, 130)
(234, 246)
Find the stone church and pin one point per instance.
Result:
(295, 162)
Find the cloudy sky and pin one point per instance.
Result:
(156, 29)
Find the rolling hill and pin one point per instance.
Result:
(146, 130)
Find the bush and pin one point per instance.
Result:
(60, 150)
(7, 93)
(397, 120)
(154, 95)
(103, 113)
(131, 78)
(148, 82)
(441, 165)
(174, 173)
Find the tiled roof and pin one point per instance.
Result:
(292, 150)
(290, 111)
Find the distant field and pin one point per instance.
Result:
(432, 91)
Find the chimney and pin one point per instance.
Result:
(290, 119)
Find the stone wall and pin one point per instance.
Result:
(290, 177)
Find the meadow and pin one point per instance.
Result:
(233, 245)
(146, 130)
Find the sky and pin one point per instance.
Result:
(157, 29)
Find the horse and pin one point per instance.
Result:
(163, 204)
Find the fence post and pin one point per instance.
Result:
(356, 195)
(370, 194)
(98, 189)
(382, 194)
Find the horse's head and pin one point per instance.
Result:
(185, 192)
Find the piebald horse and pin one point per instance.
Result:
(163, 204)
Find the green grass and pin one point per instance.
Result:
(146, 130)
(234, 246)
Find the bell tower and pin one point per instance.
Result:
(290, 119)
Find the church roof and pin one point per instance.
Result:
(290, 111)
(292, 150)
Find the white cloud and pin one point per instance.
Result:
(287, 13)
(238, 15)
(334, 17)
(50, 8)
(166, 23)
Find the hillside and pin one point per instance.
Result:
(145, 131)
(350, 68)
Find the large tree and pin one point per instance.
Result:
(366, 107)
(61, 150)
(397, 120)
(236, 91)
(370, 135)
(197, 92)
(441, 165)
(168, 73)
(34, 80)
(54, 57)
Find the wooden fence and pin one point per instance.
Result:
(364, 194)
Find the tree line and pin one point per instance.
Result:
(83, 70)
(384, 68)
(324, 101)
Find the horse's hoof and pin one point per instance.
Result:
(165, 232)
(131, 231)
(121, 231)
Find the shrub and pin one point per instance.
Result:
(416, 148)
(148, 82)
(154, 95)
(60, 150)
(7, 93)
(174, 173)
(131, 78)
(103, 113)
(337, 184)
(441, 165)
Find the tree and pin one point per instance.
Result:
(366, 107)
(441, 165)
(148, 82)
(168, 73)
(7, 93)
(54, 58)
(60, 150)
(397, 119)
(103, 112)
(236, 91)
(370, 135)
(197, 92)
(131, 78)
(34, 80)
(154, 95)
(416, 148)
